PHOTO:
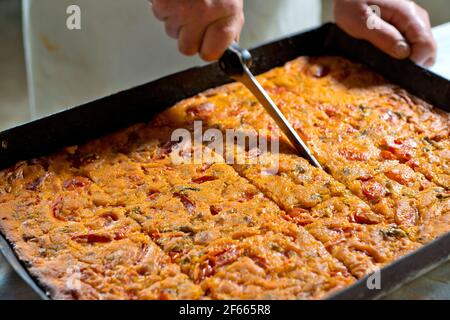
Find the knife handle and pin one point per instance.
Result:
(234, 59)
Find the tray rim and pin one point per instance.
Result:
(7, 251)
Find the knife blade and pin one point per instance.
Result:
(235, 63)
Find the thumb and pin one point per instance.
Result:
(381, 34)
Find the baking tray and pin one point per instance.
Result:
(94, 119)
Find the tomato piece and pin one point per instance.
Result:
(120, 233)
(152, 195)
(330, 111)
(260, 261)
(76, 183)
(401, 176)
(203, 179)
(166, 148)
(440, 136)
(91, 238)
(365, 177)
(56, 208)
(413, 164)
(36, 183)
(354, 155)
(155, 234)
(350, 129)
(373, 190)
(62, 209)
(214, 210)
(300, 131)
(226, 257)
(206, 270)
(164, 296)
(387, 155)
(217, 259)
(402, 150)
(175, 255)
(247, 196)
(78, 160)
(201, 111)
(299, 216)
(187, 203)
(366, 217)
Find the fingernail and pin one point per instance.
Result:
(402, 50)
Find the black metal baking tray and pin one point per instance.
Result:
(83, 123)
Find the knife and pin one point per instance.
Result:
(235, 63)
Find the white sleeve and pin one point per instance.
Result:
(268, 19)
(121, 45)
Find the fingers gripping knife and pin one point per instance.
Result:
(235, 62)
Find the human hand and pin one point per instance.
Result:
(403, 30)
(206, 27)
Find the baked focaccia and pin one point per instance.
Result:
(118, 218)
